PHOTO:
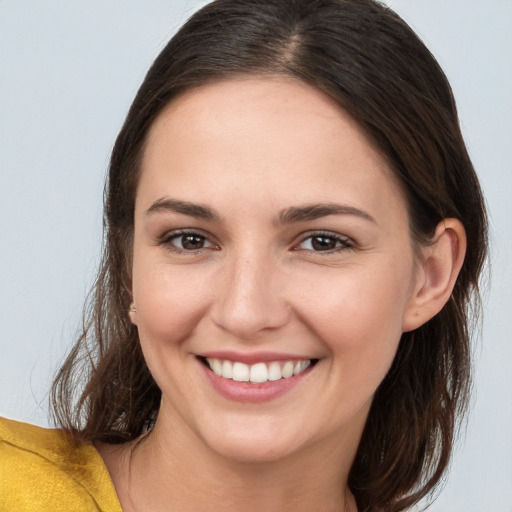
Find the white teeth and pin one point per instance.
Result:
(274, 371)
(240, 372)
(227, 369)
(217, 367)
(287, 370)
(259, 372)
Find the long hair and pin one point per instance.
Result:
(371, 63)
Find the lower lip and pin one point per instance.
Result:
(253, 393)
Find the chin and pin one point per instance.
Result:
(252, 450)
(258, 443)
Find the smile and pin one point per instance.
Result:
(257, 373)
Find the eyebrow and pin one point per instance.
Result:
(184, 207)
(288, 216)
(316, 211)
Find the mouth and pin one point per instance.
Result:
(257, 373)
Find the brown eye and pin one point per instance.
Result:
(187, 241)
(324, 243)
(191, 242)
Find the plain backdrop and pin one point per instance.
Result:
(68, 72)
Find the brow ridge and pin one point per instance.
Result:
(183, 207)
(287, 216)
(316, 211)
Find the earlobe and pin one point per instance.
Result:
(132, 313)
(440, 266)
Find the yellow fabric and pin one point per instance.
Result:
(42, 470)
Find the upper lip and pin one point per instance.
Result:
(253, 357)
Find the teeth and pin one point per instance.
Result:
(227, 369)
(240, 372)
(217, 367)
(259, 372)
(274, 371)
(287, 370)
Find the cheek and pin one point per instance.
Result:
(169, 301)
(358, 314)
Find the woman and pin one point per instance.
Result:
(293, 233)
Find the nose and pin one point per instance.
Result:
(251, 298)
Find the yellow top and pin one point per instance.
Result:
(42, 470)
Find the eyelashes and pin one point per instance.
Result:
(193, 241)
(187, 241)
(324, 242)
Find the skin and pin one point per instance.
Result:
(253, 152)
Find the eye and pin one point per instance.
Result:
(324, 242)
(187, 241)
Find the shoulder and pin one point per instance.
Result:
(44, 469)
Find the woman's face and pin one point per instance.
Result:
(271, 244)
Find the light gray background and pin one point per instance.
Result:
(68, 73)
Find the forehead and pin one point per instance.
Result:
(263, 136)
(281, 103)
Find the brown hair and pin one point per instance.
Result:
(365, 57)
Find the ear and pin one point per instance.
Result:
(132, 313)
(438, 270)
